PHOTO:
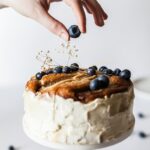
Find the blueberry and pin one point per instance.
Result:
(102, 68)
(74, 31)
(142, 134)
(49, 71)
(11, 148)
(108, 71)
(74, 67)
(91, 71)
(94, 84)
(75, 64)
(117, 71)
(125, 74)
(39, 75)
(58, 69)
(104, 81)
(94, 67)
(66, 69)
(141, 115)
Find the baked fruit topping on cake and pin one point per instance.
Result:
(82, 85)
(73, 105)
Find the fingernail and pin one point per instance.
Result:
(101, 23)
(82, 28)
(64, 36)
(105, 17)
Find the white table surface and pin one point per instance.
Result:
(11, 133)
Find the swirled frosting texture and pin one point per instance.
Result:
(57, 119)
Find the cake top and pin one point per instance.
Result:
(80, 84)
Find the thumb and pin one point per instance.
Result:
(52, 24)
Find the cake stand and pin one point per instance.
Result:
(142, 87)
(76, 147)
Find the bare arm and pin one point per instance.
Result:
(3, 4)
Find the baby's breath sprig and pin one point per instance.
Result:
(45, 59)
(65, 48)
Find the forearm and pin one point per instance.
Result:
(4, 3)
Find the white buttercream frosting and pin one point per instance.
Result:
(59, 120)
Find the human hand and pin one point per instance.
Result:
(38, 10)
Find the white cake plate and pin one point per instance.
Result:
(76, 147)
(142, 88)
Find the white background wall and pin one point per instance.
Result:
(123, 42)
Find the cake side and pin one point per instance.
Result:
(62, 120)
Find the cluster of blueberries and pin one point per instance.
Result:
(103, 81)
(100, 82)
(59, 69)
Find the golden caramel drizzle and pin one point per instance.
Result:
(76, 85)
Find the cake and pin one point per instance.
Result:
(77, 106)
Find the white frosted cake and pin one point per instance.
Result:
(74, 106)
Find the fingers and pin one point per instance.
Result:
(105, 16)
(96, 14)
(52, 24)
(97, 11)
(56, 27)
(86, 7)
(80, 14)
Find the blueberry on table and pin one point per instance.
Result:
(142, 134)
(58, 69)
(66, 69)
(91, 71)
(11, 148)
(108, 71)
(94, 67)
(94, 84)
(125, 74)
(104, 81)
(102, 68)
(117, 71)
(74, 67)
(74, 31)
(141, 115)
